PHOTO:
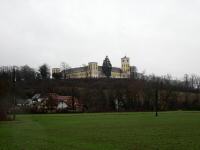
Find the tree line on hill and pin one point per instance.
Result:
(25, 73)
(139, 93)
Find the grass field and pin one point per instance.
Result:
(102, 131)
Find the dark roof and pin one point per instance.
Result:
(76, 69)
(114, 69)
(93, 62)
(124, 57)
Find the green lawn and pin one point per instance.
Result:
(102, 131)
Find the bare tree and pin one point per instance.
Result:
(27, 73)
(134, 72)
(192, 81)
(197, 80)
(186, 81)
(64, 67)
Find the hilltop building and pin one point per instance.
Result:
(93, 70)
(55, 70)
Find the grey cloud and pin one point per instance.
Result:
(159, 36)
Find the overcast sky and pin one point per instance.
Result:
(159, 36)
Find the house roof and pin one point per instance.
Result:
(63, 98)
(58, 98)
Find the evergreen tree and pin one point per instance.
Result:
(44, 71)
(107, 67)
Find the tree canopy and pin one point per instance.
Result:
(44, 71)
(27, 73)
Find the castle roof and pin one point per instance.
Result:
(125, 57)
(78, 69)
(114, 69)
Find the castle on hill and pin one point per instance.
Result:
(93, 70)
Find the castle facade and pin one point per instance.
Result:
(92, 70)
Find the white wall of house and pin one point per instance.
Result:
(62, 105)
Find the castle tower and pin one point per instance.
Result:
(125, 67)
(93, 70)
(125, 62)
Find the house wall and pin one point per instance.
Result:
(77, 74)
(93, 70)
(62, 105)
(115, 75)
(95, 74)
